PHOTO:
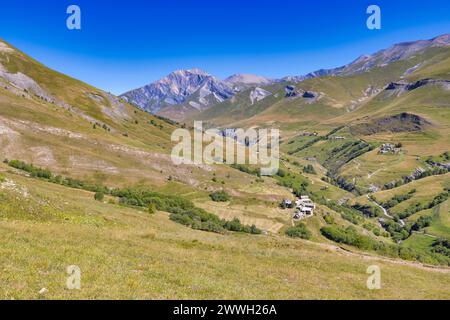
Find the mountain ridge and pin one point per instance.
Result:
(185, 92)
(365, 62)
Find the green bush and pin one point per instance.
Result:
(220, 196)
(421, 223)
(442, 246)
(151, 208)
(245, 169)
(99, 196)
(309, 169)
(281, 173)
(396, 230)
(368, 210)
(398, 199)
(329, 219)
(348, 236)
(182, 210)
(35, 172)
(299, 231)
(423, 206)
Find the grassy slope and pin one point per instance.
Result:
(51, 136)
(124, 253)
(441, 221)
(430, 103)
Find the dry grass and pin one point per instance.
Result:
(124, 253)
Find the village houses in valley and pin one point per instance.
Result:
(304, 207)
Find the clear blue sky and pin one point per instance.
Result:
(127, 44)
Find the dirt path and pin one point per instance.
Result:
(425, 234)
(367, 256)
(370, 175)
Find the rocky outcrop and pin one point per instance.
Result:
(258, 94)
(292, 92)
(309, 95)
(396, 85)
(404, 122)
(25, 83)
(405, 86)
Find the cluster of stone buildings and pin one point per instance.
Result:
(337, 138)
(387, 148)
(309, 134)
(304, 207)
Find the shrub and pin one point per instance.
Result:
(99, 196)
(35, 172)
(151, 208)
(329, 219)
(309, 169)
(421, 223)
(182, 210)
(220, 196)
(233, 225)
(299, 231)
(368, 210)
(245, 169)
(398, 199)
(396, 230)
(281, 173)
(348, 236)
(441, 246)
(420, 206)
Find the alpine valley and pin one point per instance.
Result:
(87, 179)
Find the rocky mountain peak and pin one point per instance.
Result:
(177, 87)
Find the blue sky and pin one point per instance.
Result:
(126, 44)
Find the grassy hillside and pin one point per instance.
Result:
(127, 253)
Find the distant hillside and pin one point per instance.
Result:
(397, 52)
(319, 98)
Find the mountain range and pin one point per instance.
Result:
(189, 90)
(186, 92)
